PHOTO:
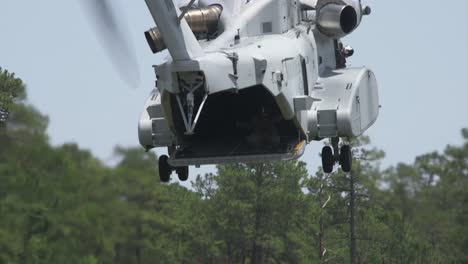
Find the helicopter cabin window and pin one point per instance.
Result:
(305, 79)
(267, 27)
(308, 15)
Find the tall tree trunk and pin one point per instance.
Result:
(321, 225)
(321, 238)
(244, 258)
(229, 253)
(256, 254)
(117, 248)
(352, 235)
(256, 257)
(139, 239)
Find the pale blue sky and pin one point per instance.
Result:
(418, 50)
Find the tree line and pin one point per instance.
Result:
(63, 205)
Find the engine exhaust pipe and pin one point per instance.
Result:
(337, 21)
(202, 21)
(179, 38)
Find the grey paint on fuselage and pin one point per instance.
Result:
(263, 42)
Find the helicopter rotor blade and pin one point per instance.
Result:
(111, 32)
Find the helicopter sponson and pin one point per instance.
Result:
(254, 81)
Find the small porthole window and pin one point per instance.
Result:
(267, 27)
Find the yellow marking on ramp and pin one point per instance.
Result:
(298, 146)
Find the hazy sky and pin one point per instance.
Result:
(418, 50)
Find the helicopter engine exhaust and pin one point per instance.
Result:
(336, 21)
(203, 22)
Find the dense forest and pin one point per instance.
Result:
(60, 204)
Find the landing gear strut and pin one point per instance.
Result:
(331, 156)
(165, 170)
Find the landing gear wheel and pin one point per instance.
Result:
(165, 169)
(346, 158)
(183, 173)
(328, 160)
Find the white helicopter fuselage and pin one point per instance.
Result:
(270, 81)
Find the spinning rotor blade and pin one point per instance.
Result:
(111, 32)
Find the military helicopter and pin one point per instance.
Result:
(255, 81)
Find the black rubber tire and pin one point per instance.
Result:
(346, 158)
(183, 173)
(164, 169)
(328, 160)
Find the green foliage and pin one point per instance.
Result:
(11, 90)
(62, 205)
(259, 213)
